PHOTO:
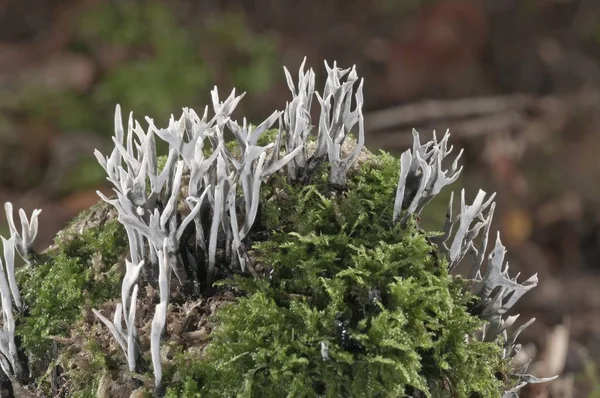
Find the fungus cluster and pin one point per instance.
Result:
(194, 215)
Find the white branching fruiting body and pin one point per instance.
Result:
(421, 175)
(14, 365)
(24, 240)
(336, 121)
(421, 178)
(223, 194)
(8, 359)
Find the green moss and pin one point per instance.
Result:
(268, 137)
(343, 276)
(161, 162)
(80, 271)
(233, 146)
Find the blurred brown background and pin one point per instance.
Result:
(516, 81)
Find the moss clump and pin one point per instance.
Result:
(80, 271)
(348, 305)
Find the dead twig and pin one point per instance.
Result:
(430, 110)
(398, 139)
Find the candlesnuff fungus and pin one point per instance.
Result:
(320, 246)
(14, 364)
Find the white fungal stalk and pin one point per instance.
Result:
(29, 228)
(9, 359)
(160, 314)
(14, 365)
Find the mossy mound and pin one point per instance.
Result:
(350, 305)
(345, 304)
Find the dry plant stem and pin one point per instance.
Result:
(427, 111)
